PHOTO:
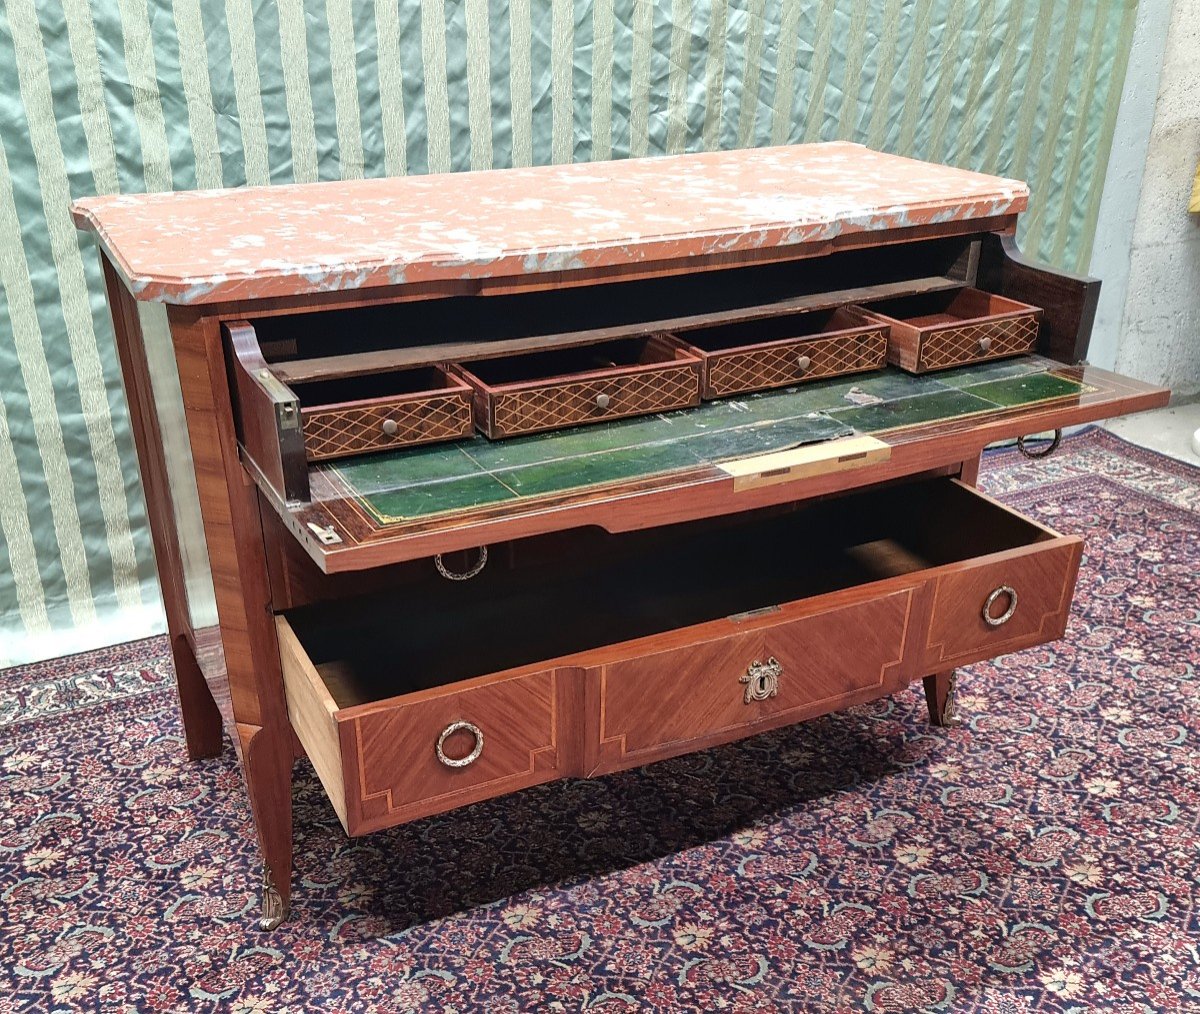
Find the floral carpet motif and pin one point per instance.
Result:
(1044, 856)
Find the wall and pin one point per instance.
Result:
(171, 94)
(1160, 332)
(1123, 181)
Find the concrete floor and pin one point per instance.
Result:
(1173, 430)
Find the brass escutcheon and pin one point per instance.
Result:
(762, 680)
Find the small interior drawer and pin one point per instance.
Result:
(754, 355)
(377, 411)
(538, 391)
(617, 650)
(937, 330)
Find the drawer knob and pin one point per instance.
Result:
(1003, 618)
(450, 730)
(985, 343)
(762, 680)
(803, 362)
(603, 401)
(390, 427)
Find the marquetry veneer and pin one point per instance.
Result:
(436, 616)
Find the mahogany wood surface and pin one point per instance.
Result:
(759, 354)
(394, 775)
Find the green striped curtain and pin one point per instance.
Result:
(133, 95)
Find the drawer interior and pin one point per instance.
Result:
(783, 328)
(934, 309)
(372, 386)
(461, 327)
(558, 363)
(605, 589)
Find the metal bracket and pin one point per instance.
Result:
(327, 535)
(274, 911)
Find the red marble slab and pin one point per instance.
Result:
(257, 242)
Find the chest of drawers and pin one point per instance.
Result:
(367, 559)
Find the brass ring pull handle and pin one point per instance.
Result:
(1003, 618)
(450, 730)
(1043, 452)
(466, 575)
(762, 680)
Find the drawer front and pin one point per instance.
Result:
(1043, 580)
(978, 341)
(382, 423)
(658, 705)
(570, 403)
(793, 362)
(395, 769)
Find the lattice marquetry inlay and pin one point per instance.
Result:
(575, 402)
(958, 345)
(336, 433)
(738, 372)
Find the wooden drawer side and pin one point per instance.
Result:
(311, 711)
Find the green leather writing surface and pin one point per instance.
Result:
(406, 484)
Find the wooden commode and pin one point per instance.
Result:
(512, 476)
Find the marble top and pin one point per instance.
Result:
(257, 242)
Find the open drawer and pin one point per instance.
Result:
(938, 330)
(549, 390)
(635, 647)
(756, 355)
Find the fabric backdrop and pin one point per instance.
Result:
(133, 95)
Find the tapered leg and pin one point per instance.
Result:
(201, 718)
(940, 691)
(268, 759)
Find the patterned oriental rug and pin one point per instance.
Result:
(1044, 856)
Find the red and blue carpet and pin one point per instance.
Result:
(1044, 856)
